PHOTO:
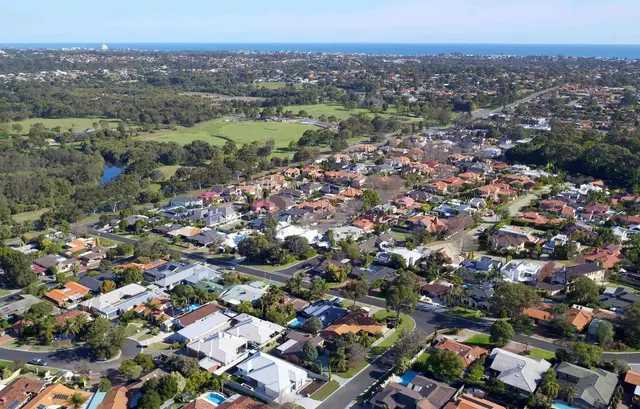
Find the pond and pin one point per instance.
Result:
(110, 172)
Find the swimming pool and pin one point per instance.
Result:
(407, 377)
(190, 308)
(216, 398)
(296, 322)
(562, 405)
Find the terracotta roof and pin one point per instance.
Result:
(70, 289)
(471, 402)
(199, 404)
(354, 322)
(243, 402)
(69, 314)
(115, 398)
(53, 395)
(579, 318)
(20, 390)
(633, 378)
(466, 352)
(195, 315)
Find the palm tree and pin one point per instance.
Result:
(76, 400)
(223, 379)
(68, 326)
(79, 323)
(570, 393)
(550, 388)
(75, 268)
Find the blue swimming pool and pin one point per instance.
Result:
(216, 398)
(407, 377)
(190, 308)
(296, 322)
(562, 405)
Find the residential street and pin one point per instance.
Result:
(487, 112)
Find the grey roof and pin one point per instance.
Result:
(580, 269)
(395, 396)
(594, 387)
(373, 273)
(164, 270)
(95, 283)
(325, 311)
(210, 324)
(521, 372)
(242, 292)
(483, 264)
(17, 304)
(191, 274)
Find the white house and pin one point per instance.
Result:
(271, 376)
(222, 347)
(519, 372)
(203, 328)
(256, 331)
(520, 271)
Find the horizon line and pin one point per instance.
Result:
(311, 42)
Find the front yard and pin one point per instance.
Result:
(481, 340)
(324, 392)
(467, 313)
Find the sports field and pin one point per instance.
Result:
(78, 124)
(215, 132)
(341, 112)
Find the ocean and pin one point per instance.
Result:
(567, 50)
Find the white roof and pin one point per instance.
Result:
(241, 292)
(221, 347)
(312, 236)
(518, 371)
(212, 323)
(104, 301)
(254, 329)
(275, 374)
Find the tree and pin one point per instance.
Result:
(476, 371)
(17, 268)
(312, 325)
(582, 290)
(294, 284)
(171, 385)
(130, 275)
(107, 286)
(150, 400)
(151, 248)
(370, 198)
(339, 360)
(336, 274)
(130, 370)
(355, 354)
(401, 298)
(501, 333)
(549, 385)
(631, 325)
(104, 385)
(510, 299)
(297, 245)
(585, 354)
(309, 352)
(183, 364)
(76, 400)
(146, 362)
(103, 339)
(319, 288)
(355, 289)
(446, 365)
(604, 333)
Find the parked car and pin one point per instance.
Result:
(38, 361)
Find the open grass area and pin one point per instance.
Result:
(324, 392)
(169, 171)
(468, 313)
(423, 358)
(398, 235)
(479, 340)
(159, 346)
(78, 124)
(341, 112)
(33, 344)
(271, 85)
(4, 291)
(406, 324)
(353, 371)
(29, 216)
(215, 132)
(541, 354)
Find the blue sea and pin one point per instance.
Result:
(568, 50)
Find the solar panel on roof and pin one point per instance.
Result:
(14, 404)
(61, 396)
(42, 406)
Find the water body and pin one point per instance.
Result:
(110, 172)
(568, 50)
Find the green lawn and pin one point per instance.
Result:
(423, 357)
(541, 354)
(407, 324)
(340, 112)
(33, 215)
(353, 371)
(398, 235)
(271, 85)
(324, 392)
(169, 171)
(240, 132)
(480, 340)
(159, 346)
(78, 124)
(467, 313)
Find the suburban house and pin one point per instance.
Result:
(16, 304)
(354, 322)
(271, 376)
(218, 350)
(606, 257)
(592, 271)
(518, 372)
(240, 293)
(577, 317)
(431, 224)
(190, 274)
(618, 299)
(162, 271)
(196, 315)
(472, 402)
(466, 352)
(594, 388)
(480, 297)
(237, 402)
(94, 283)
(19, 392)
(70, 295)
(187, 201)
(483, 265)
(257, 331)
(291, 348)
(203, 328)
(521, 271)
(325, 311)
(55, 395)
(420, 393)
(114, 303)
(217, 216)
(511, 238)
(114, 398)
(264, 206)
(50, 261)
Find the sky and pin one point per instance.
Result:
(287, 21)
